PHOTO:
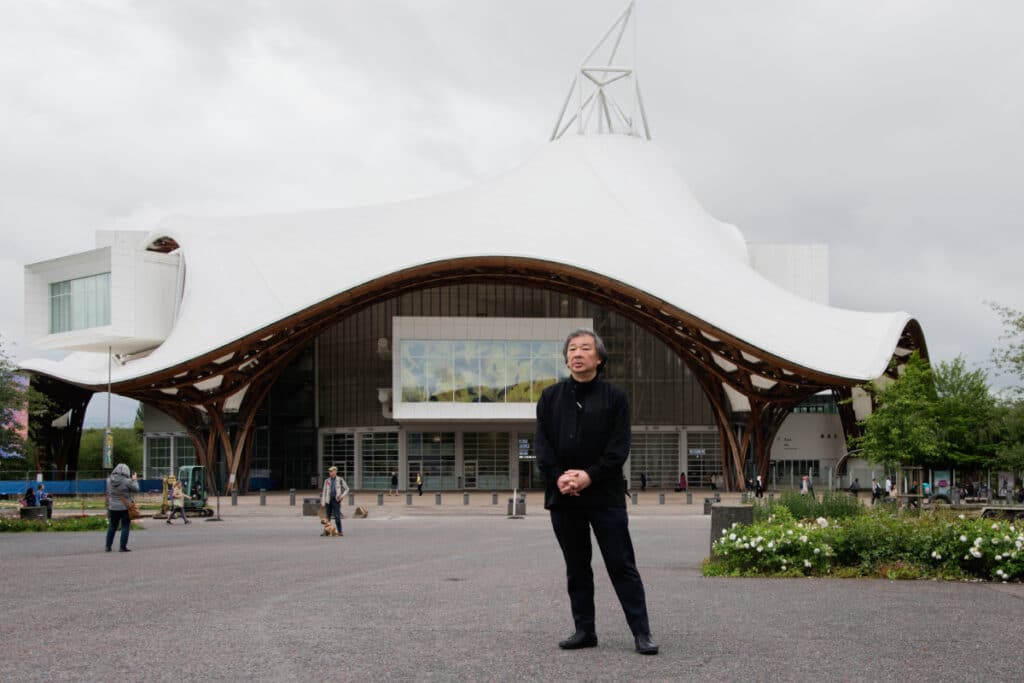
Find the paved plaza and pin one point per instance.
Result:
(428, 592)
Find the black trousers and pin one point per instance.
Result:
(611, 528)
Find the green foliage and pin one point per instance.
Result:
(127, 449)
(941, 417)
(1009, 359)
(1008, 431)
(77, 523)
(928, 545)
(13, 398)
(793, 505)
(903, 427)
(965, 411)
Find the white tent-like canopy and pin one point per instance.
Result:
(607, 204)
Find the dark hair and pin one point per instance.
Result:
(602, 352)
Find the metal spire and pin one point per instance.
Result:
(602, 86)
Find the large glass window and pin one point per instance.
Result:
(158, 456)
(340, 452)
(657, 455)
(497, 371)
(379, 455)
(433, 454)
(184, 451)
(485, 457)
(703, 459)
(80, 303)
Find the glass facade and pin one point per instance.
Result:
(433, 455)
(486, 460)
(354, 357)
(378, 453)
(340, 451)
(158, 457)
(703, 459)
(657, 455)
(80, 303)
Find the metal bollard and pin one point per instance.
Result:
(234, 496)
(494, 499)
(437, 499)
(351, 499)
(636, 497)
(689, 498)
(743, 497)
(380, 499)
(291, 497)
(408, 499)
(465, 499)
(263, 496)
(661, 499)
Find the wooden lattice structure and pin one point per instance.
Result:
(216, 396)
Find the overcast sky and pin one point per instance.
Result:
(889, 131)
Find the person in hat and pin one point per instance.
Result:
(334, 492)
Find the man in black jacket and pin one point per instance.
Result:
(582, 442)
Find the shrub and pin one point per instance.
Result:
(78, 523)
(875, 543)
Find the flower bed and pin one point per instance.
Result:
(875, 543)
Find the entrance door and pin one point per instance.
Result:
(526, 474)
(469, 471)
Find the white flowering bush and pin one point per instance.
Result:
(876, 543)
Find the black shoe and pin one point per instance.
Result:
(168, 521)
(578, 640)
(644, 644)
(126, 550)
(107, 549)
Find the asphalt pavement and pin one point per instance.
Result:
(431, 592)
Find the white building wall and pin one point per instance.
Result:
(143, 291)
(799, 268)
(810, 436)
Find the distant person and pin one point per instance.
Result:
(876, 491)
(29, 500)
(759, 487)
(121, 484)
(888, 487)
(855, 487)
(682, 481)
(43, 498)
(419, 482)
(394, 484)
(810, 484)
(643, 481)
(177, 502)
(804, 486)
(334, 492)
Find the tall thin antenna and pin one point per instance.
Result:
(598, 83)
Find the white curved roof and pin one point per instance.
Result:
(611, 204)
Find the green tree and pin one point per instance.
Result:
(127, 449)
(903, 428)
(1009, 359)
(14, 395)
(944, 416)
(965, 410)
(1008, 429)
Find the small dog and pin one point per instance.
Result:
(329, 528)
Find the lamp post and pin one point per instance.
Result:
(108, 436)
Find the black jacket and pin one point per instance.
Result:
(583, 426)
